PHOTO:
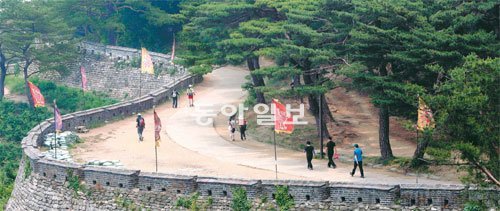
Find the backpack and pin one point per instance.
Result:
(174, 94)
(142, 123)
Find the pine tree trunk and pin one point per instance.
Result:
(421, 146)
(314, 108)
(27, 89)
(385, 145)
(3, 74)
(257, 80)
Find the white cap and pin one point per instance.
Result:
(138, 114)
(190, 85)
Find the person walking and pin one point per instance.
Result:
(190, 94)
(243, 128)
(309, 150)
(141, 124)
(330, 150)
(358, 160)
(175, 94)
(231, 128)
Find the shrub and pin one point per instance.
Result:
(188, 202)
(283, 199)
(474, 206)
(73, 182)
(240, 201)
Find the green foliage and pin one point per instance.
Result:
(73, 182)
(10, 154)
(469, 113)
(283, 199)
(68, 99)
(126, 203)
(190, 202)
(15, 84)
(135, 24)
(240, 201)
(27, 168)
(17, 119)
(474, 206)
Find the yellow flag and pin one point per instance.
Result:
(146, 62)
(425, 118)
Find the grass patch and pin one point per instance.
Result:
(68, 99)
(15, 84)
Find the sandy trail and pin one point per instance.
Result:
(194, 149)
(358, 123)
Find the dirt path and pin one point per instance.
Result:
(358, 123)
(190, 148)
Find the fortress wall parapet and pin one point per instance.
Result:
(363, 193)
(158, 191)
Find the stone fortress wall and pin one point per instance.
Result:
(42, 183)
(109, 69)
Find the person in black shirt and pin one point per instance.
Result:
(309, 154)
(330, 149)
(243, 128)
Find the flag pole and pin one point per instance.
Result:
(275, 155)
(55, 131)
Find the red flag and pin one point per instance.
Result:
(84, 78)
(38, 99)
(283, 121)
(57, 118)
(157, 129)
(173, 51)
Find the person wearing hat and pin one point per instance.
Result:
(309, 150)
(190, 94)
(140, 126)
(358, 161)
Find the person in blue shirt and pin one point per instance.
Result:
(358, 160)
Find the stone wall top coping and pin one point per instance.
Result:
(111, 170)
(119, 48)
(431, 187)
(64, 164)
(295, 183)
(32, 153)
(226, 181)
(158, 91)
(362, 186)
(165, 176)
(117, 105)
(88, 111)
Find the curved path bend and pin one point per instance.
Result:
(194, 149)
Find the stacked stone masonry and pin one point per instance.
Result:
(46, 183)
(109, 69)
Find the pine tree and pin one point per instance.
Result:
(469, 114)
(32, 32)
(308, 43)
(222, 33)
(396, 46)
